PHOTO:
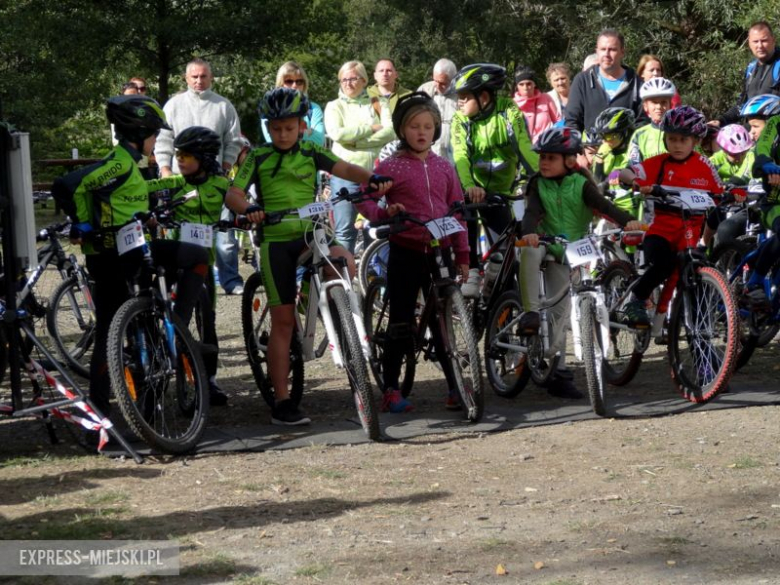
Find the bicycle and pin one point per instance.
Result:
(444, 307)
(334, 302)
(156, 369)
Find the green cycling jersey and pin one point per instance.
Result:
(647, 142)
(489, 152)
(738, 173)
(284, 180)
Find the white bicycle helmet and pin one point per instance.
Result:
(734, 139)
(657, 87)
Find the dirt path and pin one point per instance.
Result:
(692, 498)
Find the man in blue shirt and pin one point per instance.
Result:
(605, 85)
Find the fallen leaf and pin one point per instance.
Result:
(671, 563)
(538, 565)
(530, 489)
(500, 570)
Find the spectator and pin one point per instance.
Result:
(200, 106)
(140, 83)
(651, 66)
(539, 108)
(608, 84)
(559, 78)
(358, 130)
(129, 88)
(590, 61)
(443, 94)
(292, 75)
(762, 75)
(386, 85)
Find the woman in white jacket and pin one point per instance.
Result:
(358, 126)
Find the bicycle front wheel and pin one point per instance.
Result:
(592, 355)
(463, 353)
(256, 323)
(157, 376)
(507, 369)
(71, 324)
(703, 357)
(373, 264)
(355, 364)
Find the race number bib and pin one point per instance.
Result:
(197, 233)
(696, 200)
(582, 252)
(130, 237)
(444, 226)
(314, 208)
(518, 207)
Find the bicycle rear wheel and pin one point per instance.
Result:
(703, 357)
(157, 376)
(71, 324)
(463, 352)
(507, 369)
(376, 314)
(627, 345)
(355, 363)
(256, 324)
(373, 264)
(592, 355)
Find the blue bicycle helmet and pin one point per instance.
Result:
(761, 106)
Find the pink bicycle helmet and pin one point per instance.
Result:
(685, 120)
(734, 139)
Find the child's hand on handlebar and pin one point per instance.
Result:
(531, 240)
(379, 183)
(634, 226)
(255, 213)
(394, 209)
(475, 194)
(646, 190)
(463, 272)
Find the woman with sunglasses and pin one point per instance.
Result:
(292, 75)
(358, 132)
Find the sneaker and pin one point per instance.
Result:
(453, 400)
(562, 388)
(286, 413)
(216, 396)
(529, 322)
(394, 401)
(473, 285)
(636, 314)
(237, 290)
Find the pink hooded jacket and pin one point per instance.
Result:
(540, 112)
(427, 189)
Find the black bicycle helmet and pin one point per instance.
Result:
(615, 120)
(563, 140)
(685, 120)
(135, 117)
(480, 77)
(198, 140)
(417, 98)
(591, 138)
(282, 103)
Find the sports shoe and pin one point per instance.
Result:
(453, 400)
(237, 290)
(529, 322)
(636, 314)
(286, 413)
(473, 285)
(394, 401)
(562, 388)
(216, 396)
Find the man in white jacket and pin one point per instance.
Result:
(441, 90)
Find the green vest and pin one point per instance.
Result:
(565, 212)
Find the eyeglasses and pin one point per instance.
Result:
(613, 136)
(141, 88)
(350, 80)
(298, 82)
(184, 156)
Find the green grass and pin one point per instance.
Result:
(106, 498)
(219, 564)
(316, 571)
(251, 487)
(490, 544)
(746, 462)
(252, 580)
(327, 473)
(673, 541)
(92, 525)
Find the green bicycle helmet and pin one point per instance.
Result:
(282, 103)
(615, 120)
(480, 77)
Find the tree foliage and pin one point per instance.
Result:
(60, 60)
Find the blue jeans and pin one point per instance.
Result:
(227, 261)
(344, 214)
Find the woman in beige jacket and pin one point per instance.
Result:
(359, 126)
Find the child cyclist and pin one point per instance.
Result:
(197, 149)
(560, 200)
(757, 110)
(105, 196)
(490, 144)
(734, 163)
(647, 141)
(679, 168)
(615, 126)
(426, 186)
(284, 173)
(766, 167)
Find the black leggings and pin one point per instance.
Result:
(496, 219)
(408, 271)
(662, 261)
(112, 273)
